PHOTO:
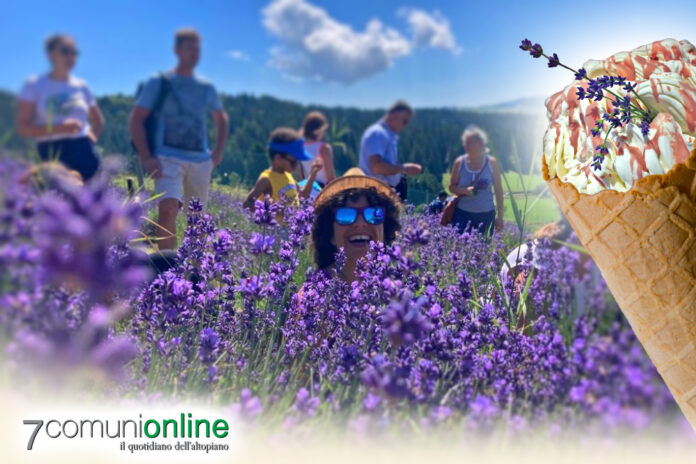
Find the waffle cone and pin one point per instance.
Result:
(644, 243)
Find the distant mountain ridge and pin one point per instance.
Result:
(526, 105)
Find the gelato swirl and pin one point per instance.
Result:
(665, 74)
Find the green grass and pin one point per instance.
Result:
(522, 182)
(543, 211)
(228, 217)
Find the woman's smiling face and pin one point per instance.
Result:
(355, 238)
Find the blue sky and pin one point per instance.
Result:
(433, 53)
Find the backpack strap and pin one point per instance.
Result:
(165, 88)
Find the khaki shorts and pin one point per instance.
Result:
(184, 180)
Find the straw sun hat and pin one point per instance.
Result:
(355, 178)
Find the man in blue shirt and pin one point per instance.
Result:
(379, 154)
(181, 162)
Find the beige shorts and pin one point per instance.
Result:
(184, 180)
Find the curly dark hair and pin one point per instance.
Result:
(322, 229)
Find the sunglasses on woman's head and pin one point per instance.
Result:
(346, 216)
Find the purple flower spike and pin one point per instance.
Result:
(261, 244)
(305, 404)
(208, 350)
(404, 322)
(581, 93)
(645, 127)
(536, 51)
(553, 61)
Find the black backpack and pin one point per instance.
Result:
(151, 120)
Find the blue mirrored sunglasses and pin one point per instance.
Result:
(346, 216)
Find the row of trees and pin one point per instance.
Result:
(432, 139)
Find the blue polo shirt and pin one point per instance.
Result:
(380, 139)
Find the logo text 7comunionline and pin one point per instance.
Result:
(183, 427)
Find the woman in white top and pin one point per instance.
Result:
(313, 129)
(59, 111)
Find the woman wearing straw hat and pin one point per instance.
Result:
(350, 212)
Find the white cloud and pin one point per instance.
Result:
(314, 45)
(237, 55)
(431, 30)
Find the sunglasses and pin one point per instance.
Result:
(67, 51)
(346, 216)
(293, 161)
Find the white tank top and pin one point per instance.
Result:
(314, 149)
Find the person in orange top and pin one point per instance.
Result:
(286, 150)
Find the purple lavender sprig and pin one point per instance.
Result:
(625, 110)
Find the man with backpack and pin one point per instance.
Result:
(168, 126)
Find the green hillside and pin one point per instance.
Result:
(432, 139)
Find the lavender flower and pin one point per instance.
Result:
(626, 110)
(76, 229)
(265, 212)
(553, 61)
(249, 406)
(536, 51)
(261, 244)
(403, 321)
(305, 404)
(526, 45)
(209, 346)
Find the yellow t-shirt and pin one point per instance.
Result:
(283, 186)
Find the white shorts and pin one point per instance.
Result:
(184, 180)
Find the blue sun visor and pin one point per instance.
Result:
(294, 149)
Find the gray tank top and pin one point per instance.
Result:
(482, 180)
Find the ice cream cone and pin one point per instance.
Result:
(644, 243)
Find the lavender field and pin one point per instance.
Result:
(427, 339)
